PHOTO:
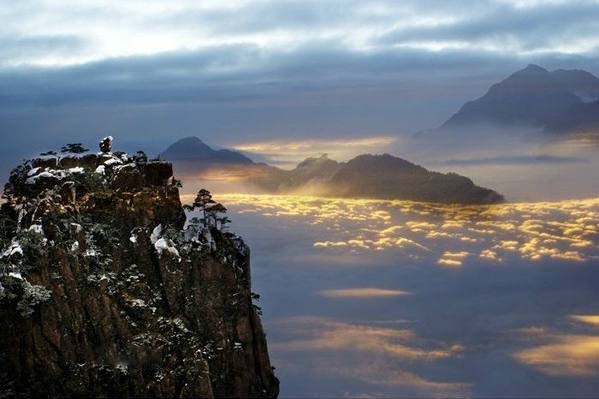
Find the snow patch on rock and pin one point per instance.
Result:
(14, 249)
(33, 172)
(36, 228)
(113, 161)
(156, 234)
(76, 170)
(16, 275)
(166, 245)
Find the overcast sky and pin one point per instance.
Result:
(243, 71)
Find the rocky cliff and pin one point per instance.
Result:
(107, 291)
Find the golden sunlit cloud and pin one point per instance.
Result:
(489, 254)
(453, 258)
(565, 354)
(588, 319)
(386, 374)
(449, 235)
(362, 293)
(569, 355)
(378, 351)
(330, 334)
(290, 152)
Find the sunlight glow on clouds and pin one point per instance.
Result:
(593, 320)
(448, 235)
(570, 355)
(453, 258)
(565, 354)
(293, 151)
(362, 293)
(381, 349)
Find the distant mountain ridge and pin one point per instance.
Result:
(192, 149)
(556, 101)
(365, 176)
(389, 177)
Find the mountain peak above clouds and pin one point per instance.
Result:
(365, 176)
(533, 97)
(192, 149)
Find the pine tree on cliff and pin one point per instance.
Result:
(74, 148)
(213, 212)
(202, 201)
(140, 157)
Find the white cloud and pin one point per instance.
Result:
(132, 28)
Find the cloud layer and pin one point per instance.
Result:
(56, 52)
(120, 29)
(496, 294)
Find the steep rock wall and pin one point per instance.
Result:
(105, 292)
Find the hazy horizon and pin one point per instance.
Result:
(262, 72)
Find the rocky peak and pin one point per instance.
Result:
(106, 290)
(192, 149)
(386, 176)
(532, 69)
(316, 162)
(528, 97)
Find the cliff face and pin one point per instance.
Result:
(106, 291)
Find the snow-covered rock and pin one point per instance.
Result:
(33, 171)
(14, 249)
(15, 275)
(36, 228)
(106, 144)
(46, 174)
(76, 170)
(156, 234)
(164, 244)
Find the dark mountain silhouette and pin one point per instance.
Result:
(386, 176)
(377, 176)
(312, 170)
(581, 118)
(192, 149)
(365, 176)
(554, 101)
(583, 84)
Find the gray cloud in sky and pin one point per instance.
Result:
(111, 52)
(237, 72)
(125, 28)
(35, 45)
(551, 26)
